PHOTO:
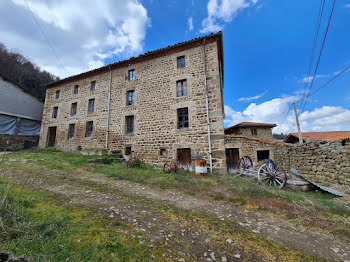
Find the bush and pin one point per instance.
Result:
(107, 159)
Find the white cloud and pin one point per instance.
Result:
(251, 98)
(347, 5)
(190, 23)
(223, 11)
(326, 118)
(82, 33)
(309, 78)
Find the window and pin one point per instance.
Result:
(57, 94)
(71, 129)
(129, 120)
(263, 154)
(162, 152)
(128, 150)
(254, 131)
(89, 128)
(91, 105)
(181, 62)
(76, 89)
(130, 98)
(181, 88)
(93, 85)
(182, 118)
(132, 74)
(73, 110)
(55, 112)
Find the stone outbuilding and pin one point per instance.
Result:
(254, 129)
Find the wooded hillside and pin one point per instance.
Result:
(22, 70)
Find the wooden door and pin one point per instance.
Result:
(51, 136)
(184, 158)
(232, 159)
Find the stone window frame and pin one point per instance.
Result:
(76, 89)
(133, 75)
(75, 131)
(71, 107)
(271, 153)
(183, 121)
(57, 94)
(254, 131)
(86, 100)
(173, 84)
(163, 149)
(179, 58)
(126, 96)
(187, 60)
(92, 131)
(128, 146)
(192, 111)
(124, 123)
(93, 86)
(53, 110)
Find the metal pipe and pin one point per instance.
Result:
(109, 107)
(207, 106)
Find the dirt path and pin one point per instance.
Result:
(231, 235)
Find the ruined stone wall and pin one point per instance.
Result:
(321, 162)
(155, 108)
(17, 142)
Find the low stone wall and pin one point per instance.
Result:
(321, 162)
(17, 142)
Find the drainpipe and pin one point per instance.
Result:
(207, 106)
(109, 107)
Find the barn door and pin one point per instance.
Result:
(184, 158)
(51, 136)
(232, 158)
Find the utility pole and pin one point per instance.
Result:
(298, 125)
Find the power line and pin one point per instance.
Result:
(320, 14)
(319, 56)
(47, 40)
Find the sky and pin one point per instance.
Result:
(267, 48)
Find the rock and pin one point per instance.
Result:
(181, 253)
(7, 257)
(224, 259)
(237, 256)
(212, 255)
(229, 241)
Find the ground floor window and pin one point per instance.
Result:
(89, 128)
(71, 130)
(263, 154)
(128, 150)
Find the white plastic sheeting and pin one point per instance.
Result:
(12, 125)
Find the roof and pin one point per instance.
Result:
(24, 88)
(251, 124)
(141, 57)
(328, 136)
(266, 141)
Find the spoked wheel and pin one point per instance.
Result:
(170, 166)
(244, 164)
(269, 175)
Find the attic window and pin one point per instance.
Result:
(93, 86)
(131, 74)
(76, 89)
(181, 62)
(57, 94)
(254, 131)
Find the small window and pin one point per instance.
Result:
(263, 154)
(93, 85)
(254, 131)
(89, 128)
(162, 152)
(132, 74)
(181, 62)
(182, 118)
(128, 150)
(76, 89)
(91, 106)
(57, 94)
(181, 88)
(73, 110)
(129, 120)
(130, 98)
(71, 129)
(55, 112)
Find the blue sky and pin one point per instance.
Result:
(267, 46)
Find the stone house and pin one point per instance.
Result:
(258, 130)
(165, 104)
(20, 115)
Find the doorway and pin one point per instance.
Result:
(51, 136)
(184, 158)
(232, 159)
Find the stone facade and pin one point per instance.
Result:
(321, 162)
(261, 132)
(17, 142)
(156, 136)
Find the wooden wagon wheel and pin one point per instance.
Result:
(244, 164)
(268, 174)
(170, 166)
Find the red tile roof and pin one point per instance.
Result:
(326, 136)
(266, 141)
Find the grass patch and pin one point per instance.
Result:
(34, 224)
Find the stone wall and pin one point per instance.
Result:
(17, 142)
(262, 132)
(321, 162)
(154, 111)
